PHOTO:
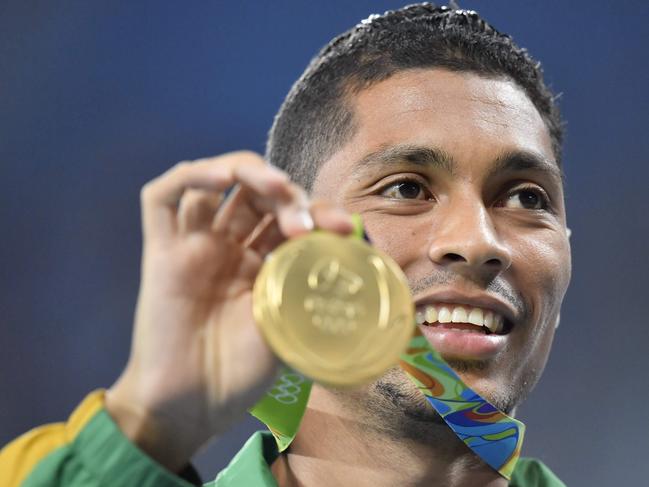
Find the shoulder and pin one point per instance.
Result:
(251, 466)
(530, 472)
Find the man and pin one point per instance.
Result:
(441, 134)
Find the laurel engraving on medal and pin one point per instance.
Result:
(332, 301)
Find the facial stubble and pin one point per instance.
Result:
(394, 406)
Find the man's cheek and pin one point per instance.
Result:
(541, 354)
(401, 240)
(545, 270)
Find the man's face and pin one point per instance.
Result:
(455, 178)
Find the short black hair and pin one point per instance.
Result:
(316, 119)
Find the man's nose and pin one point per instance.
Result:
(466, 241)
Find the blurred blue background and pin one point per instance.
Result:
(96, 98)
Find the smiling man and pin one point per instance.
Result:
(455, 177)
(441, 134)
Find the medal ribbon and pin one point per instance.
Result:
(492, 435)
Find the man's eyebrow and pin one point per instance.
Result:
(413, 154)
(509, 161)
(512, 161)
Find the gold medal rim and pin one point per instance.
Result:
(365, 367)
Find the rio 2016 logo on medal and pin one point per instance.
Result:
(332, 302)
(334, 308)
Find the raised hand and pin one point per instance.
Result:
(197, 360)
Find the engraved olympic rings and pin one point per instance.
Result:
(287, 389)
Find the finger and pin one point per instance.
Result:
(243, 213)
(331, 218)
(237, 218)
(267, 180)
(285, 199)
(197, 209)
(160, 197)
(293, 213)
(322, 215)
(266, 236)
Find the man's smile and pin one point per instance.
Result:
(458, 317)
(465, 328)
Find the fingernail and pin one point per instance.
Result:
(306, 220)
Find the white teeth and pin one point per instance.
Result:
(475, 317)
(458, 314)
(431, 314)
(420, 318)
(489, 320)
(444, 315)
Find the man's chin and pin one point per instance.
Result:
(479, 376)
(395, 406)
(397, 390)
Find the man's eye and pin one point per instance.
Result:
(526, 198)
(408, 190)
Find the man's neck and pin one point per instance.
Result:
(337, 446)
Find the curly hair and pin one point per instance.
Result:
(316, 117)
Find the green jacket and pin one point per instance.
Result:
(89, 450)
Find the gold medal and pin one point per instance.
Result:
(334, 308)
